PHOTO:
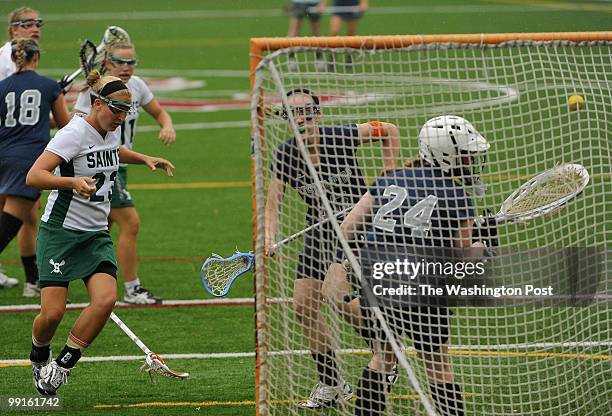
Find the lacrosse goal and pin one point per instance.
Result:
(514, 88)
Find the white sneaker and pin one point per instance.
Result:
(51, 378)
(323, 396)
(141, 296)
(36, 367)
(7, 282)
(392, 378)
(30, 290)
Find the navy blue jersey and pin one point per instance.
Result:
(338, 170)
(27, 99)
(417, 206)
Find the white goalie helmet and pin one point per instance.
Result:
(454, 145)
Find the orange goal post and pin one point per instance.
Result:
(540, 99)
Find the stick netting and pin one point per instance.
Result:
(507, 359)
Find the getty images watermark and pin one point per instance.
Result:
(405, 268)
(444, 276)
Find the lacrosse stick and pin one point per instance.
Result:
(111, 34)
(305, 230)
(543, 194)
(153, 362)
(218, 273)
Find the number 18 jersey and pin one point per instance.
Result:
(85, 153)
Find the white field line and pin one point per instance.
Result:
(165, 304)
(204, 73)
(201, 126)
(253, 13)
(494, 349)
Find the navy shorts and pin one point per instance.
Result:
(427, 327)
(13, 179)
(319, 252)
(347, 15)
(301, 10)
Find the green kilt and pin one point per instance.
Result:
(63, 255)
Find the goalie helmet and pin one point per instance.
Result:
(454, 145)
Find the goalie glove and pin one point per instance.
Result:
(65, 84)
(486, 230)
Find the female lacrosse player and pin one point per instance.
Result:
(427, 204)
(332, 152)
(22, 22)
(120, 61)
(73, 241)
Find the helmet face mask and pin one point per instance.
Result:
(452, 144)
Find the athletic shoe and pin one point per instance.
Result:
(30, 290)
(141, 296)
(36, 367)
(392, 378)
(7, 282)
(323, 396)
(51, 378)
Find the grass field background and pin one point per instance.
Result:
(206, 207)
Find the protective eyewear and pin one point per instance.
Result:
(308, 112)
(116, 61)
(28, 23)
(116, 106)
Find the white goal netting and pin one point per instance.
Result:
(514, 358)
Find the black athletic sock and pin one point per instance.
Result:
(447, 398)
(68, 357)
(40, 354)
(327, 366)
(9, 227)
(371, 398)
(30, 268)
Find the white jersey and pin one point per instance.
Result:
(7, 66)
(141, 96)
(86, 154)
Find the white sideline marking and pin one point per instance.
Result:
(201, 126)
(211, 73)
(224, 355)
(165, 304)
(251, 13)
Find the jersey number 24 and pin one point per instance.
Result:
(417, 218)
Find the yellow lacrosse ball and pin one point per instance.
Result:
(576, 102)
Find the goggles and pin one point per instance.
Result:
(116, 61)
(307, 112)
(116, 106)
(28, 23)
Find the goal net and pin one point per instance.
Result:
(521, 353)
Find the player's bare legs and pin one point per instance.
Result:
(337, 290)
(307, 299)
(295, 26)
(128, 220)
(129, 225)
(102, 289)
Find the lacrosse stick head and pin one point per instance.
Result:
(154, 364)
(87, 55)
(545, 193)
(218, 273)
(114, 34)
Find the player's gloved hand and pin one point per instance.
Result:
(486, 230)
(64, 84)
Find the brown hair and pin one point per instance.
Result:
(23, 51)
(15, 16)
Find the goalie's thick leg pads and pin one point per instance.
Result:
(447, 398)
(371, 397)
